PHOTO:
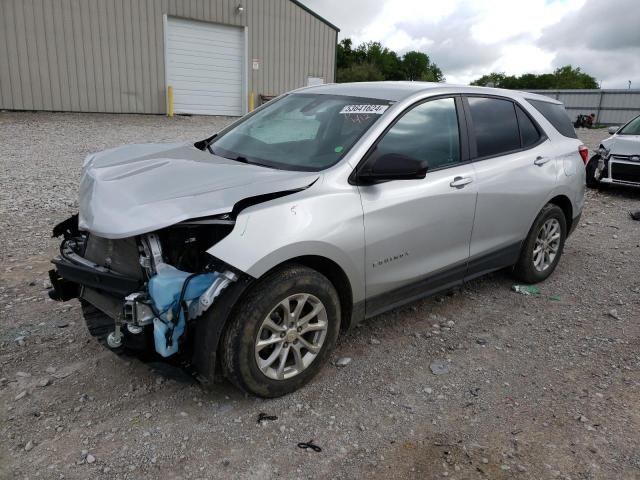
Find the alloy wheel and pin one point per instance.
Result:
(547, 244)
(291, 336)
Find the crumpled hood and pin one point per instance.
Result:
(137, 189)
(623, 144)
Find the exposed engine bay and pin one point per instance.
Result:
(158, 281)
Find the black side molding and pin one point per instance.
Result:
(444, 279)
(490, 262)
(435, 283)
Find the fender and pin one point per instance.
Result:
(304, 223)
(575, 196)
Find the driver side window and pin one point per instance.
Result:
(428, 132)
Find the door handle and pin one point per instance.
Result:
(459, 182)
(539, 161)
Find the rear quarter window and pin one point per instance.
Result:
(528, 131)
(556, 115)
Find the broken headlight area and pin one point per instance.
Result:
(155, 283)
(603, 152)
(602, 168)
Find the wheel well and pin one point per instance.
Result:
(337, 277)
(565, 204)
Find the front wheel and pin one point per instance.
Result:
(543, 246)
(590, 169)
(282, 333)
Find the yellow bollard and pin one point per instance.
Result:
(252, 101)
(169, 101)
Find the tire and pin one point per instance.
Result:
(288, 287)
(526, 269)
(98, 323)
(590, 168)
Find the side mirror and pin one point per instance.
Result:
(392, 166)
(613, 130)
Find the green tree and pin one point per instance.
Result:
(433, 74)
(565, 77)
(372, 61)
(385, 60)
(344, 54)
(569, 77)
(492, 79)
(415, 64)
(364, 72)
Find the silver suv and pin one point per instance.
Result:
(248, 252)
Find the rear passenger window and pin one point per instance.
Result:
(495, 125)
(528, 131)
(556, 115)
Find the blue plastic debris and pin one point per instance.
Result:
(164, 289)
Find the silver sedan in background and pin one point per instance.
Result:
(617, 160)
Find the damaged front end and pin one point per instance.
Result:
(148, 286)
(602, 167)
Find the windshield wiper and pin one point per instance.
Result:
(238, 158)
(210, 142)
(206, 143)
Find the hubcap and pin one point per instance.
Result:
(547, 244)
(291, 336)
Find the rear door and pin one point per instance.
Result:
(515, 173)
(417, 232)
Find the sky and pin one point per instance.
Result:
(470, 38)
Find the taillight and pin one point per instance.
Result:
(584, 153)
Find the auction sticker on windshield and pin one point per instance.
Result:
(377, 109)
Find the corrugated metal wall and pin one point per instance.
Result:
(108, 55)
(612, 107)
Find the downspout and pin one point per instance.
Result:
(335, 59)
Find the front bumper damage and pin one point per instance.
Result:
(149, 298)
(619, 169)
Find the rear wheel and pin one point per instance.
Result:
(543, 246)
(282, 332)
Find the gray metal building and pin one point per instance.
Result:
(121, 55)
(611, 106)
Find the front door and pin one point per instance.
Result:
(417, 232)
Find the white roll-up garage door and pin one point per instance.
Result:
(205, 66)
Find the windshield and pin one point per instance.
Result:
(301, 131)
(631, 128)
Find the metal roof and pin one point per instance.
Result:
(322, 19)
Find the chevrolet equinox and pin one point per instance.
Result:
(245, 254)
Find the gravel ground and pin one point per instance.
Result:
(528, 387)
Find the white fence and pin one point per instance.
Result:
(612, 107)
